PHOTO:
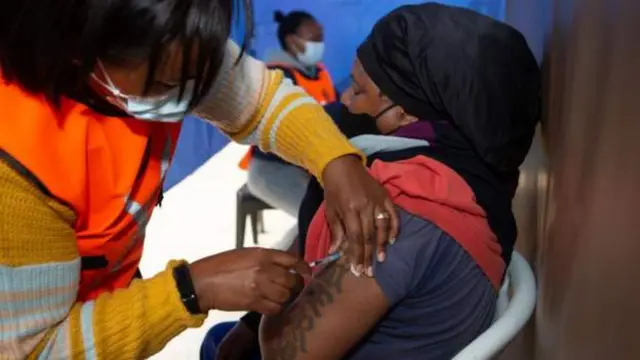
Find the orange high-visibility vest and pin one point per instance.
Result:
(108, 170)
(321, 89)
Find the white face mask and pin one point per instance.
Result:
(313, 53)
(163, 108)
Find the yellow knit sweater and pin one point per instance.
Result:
(39, 259)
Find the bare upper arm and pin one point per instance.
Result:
(329, 317)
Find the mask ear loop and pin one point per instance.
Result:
(384, 111)
(109, 85)
(118, 96)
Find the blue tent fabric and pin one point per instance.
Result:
(199, 141)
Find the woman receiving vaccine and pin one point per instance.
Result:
(301, 39)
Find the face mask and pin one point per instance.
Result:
(164, 108)
(313, 53)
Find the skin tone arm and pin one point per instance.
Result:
(329, 317)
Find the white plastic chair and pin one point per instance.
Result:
(512, 313)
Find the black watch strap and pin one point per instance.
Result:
(186, 290)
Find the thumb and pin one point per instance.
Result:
(337, 233)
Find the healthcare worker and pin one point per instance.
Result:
(91, 97)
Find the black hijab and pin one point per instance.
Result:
(447, 63)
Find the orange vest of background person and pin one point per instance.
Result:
(321, 89)
(108, 170)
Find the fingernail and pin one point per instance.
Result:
(370, 271)
(392, 241)
(381, 257)
(354, 271)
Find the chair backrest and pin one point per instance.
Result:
(512, 312)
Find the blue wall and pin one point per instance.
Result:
(346, 22)
(199, 140)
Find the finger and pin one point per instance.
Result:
(337, 232)
(267, 307)
(368, 225)
(355, 249)
(275, 292)
(382, 233)
(394, 222)
(287, 261)
(282, 277)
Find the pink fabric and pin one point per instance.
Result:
(431, 190)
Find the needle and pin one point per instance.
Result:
(325, 260)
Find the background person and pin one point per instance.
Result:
(301, 37)
(91, 100)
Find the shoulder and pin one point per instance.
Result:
(411, 256)
(416, 238)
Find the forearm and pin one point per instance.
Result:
(41, 318)
(137, 322)
(40, 275)
(257, 106)
(132, 323)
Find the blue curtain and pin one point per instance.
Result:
(199, 140)
(346, 23)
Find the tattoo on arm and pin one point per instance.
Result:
(303, 314)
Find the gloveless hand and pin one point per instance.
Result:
(359, 212)
(248, 279)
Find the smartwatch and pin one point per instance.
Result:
(182, 276)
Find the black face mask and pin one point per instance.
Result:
(353, 125)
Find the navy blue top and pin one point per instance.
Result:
(440, 299)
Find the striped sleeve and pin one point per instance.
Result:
(39, 275)
(258, 106)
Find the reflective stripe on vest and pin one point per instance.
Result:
(140, 213)
(108, 170)
(321, 88)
